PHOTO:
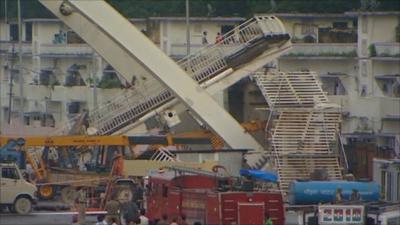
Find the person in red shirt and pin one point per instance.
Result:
(218, 38)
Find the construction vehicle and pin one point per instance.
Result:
(53, 176)
(193, 80)
(16, 193)
(210, 198)
(59, 178)
(8, 151)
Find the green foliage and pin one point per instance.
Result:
(397, 33)
(244, 8)
(349, 54)
(372, 50)
(108, 82)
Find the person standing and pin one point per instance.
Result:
(100, 220)
(339, 196)
(218, 38)
(204, 40)
(355, 195)
(143, 219)
(174, 222)
(80, 204)
(131, 211)
(113, 211)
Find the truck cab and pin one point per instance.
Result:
(15, 192)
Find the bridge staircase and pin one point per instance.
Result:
(304, 137)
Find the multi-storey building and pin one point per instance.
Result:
(356, 54)
(60, 70)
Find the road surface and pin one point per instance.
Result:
(42, 218)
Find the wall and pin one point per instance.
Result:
(382, 28)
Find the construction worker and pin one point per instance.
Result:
(80, 204)
(355, 195)
(339, 196)
(130, 211)
(113, 210)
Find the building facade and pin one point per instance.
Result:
(357, 57)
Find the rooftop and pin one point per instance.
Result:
(314, 15)
(193, 19)
(377, 13)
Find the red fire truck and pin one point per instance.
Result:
(210, 199)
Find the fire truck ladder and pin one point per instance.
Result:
(304, 131)
(122, 45)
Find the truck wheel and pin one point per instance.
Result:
(124, 193)
(46, 192)
(22, 205)
(68, 195)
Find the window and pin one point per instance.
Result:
(14, 32)
(339, 25)
(383, 184)
(307, 29)
(28, 31)
(226, 28)
(389, 187)
(10, 173)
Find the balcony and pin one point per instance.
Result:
(386, 50)
(65, 50)
(6, 47)
(323, 50)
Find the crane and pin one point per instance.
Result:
(98, 23)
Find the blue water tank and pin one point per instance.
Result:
(314, 192)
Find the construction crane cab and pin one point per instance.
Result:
(12, 151)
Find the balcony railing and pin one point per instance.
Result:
(387, 49)
(7, 47)
(73, 50)
(323, 50)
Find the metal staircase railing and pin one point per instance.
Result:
(302, 133)
(163, 154)
(202, 66)
(295, 89)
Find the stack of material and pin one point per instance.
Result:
(304, 136)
